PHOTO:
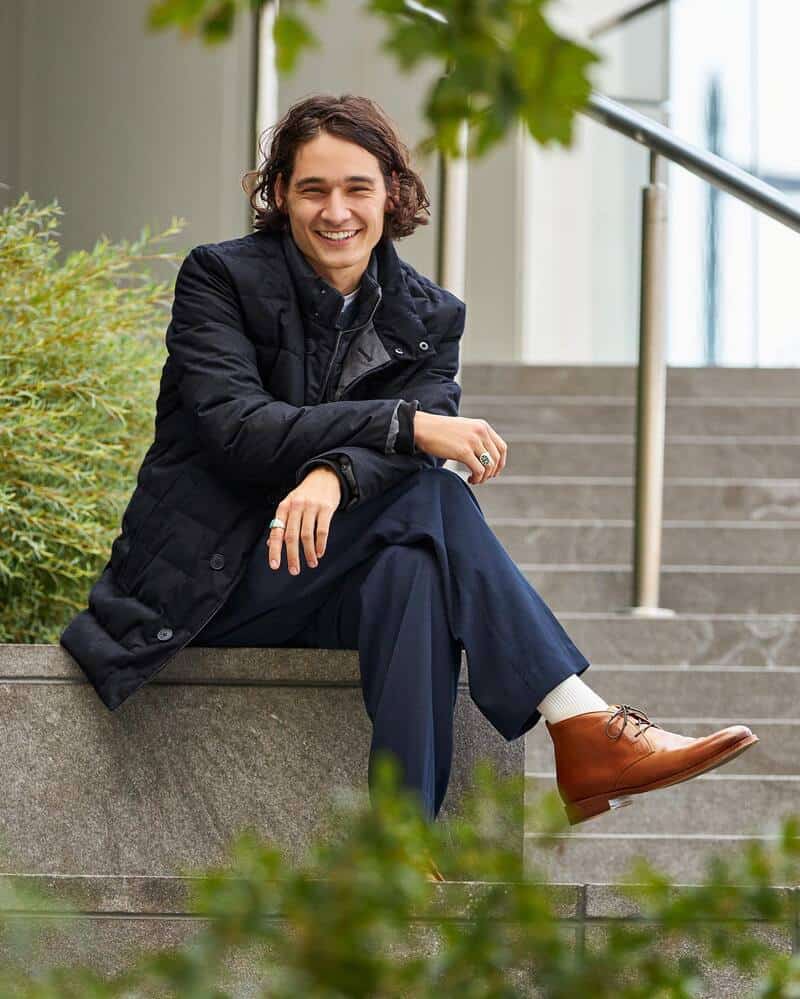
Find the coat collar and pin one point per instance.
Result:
(318, 299)
(384, 293)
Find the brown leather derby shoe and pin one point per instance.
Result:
(603, 758)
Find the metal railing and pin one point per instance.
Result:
(651, 381)
(650, 437)
(624, 17)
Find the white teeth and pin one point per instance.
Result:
(339, 236)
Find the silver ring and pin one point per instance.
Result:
(485, 458)
(277, 522)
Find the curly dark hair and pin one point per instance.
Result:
(356, 119)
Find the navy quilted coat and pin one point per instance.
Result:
(261, 383)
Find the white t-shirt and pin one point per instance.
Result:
(348, 301)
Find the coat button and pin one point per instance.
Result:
(398, 350)
(164, 634)
(217, 561)
(423, 345)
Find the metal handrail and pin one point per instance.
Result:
(616, 20)
(651, 391)
(652, 367)
(708, 166)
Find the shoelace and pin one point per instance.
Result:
(636, 715)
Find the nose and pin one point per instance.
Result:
(336, 211)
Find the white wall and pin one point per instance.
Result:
(754, 64)
(123, 127)
(581, 207)
(127, 128)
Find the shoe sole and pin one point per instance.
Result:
(588, 808)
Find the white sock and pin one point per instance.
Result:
(571, 697)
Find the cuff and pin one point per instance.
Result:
(401, 431)
(338, 466)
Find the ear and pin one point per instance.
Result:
(279, 191)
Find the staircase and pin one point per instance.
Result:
(563, 509)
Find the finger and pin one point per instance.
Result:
(480, 447)
(470, 459)
(307, 536)
(502, 449)
(291, 538)
(491, 447)
(275, 537)
(323, 529)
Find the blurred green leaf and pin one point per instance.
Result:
(502, 62)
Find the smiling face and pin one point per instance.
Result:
(336, 187)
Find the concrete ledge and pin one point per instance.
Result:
(221, 740)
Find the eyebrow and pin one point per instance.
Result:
(321, 180)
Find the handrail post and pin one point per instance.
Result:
(451, 233)
(651, 400)
(451, 230)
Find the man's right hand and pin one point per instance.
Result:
(307, 512)
(460, 438)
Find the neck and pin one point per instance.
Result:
(345, 280)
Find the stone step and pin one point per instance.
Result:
(116, 919)
(606, 856)
(747, 590)
(120, 918)
(676, 828)
(733, 693)
(611, 455)
(610, 542)
(607, 498)
(218, 740)
(687, 639)
(590, 415)
(713, 804)
(619, 381)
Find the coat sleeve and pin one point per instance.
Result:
(251, 436)
(433, 390)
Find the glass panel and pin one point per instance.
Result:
(730, 71)
(733, 80)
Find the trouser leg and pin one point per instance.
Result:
(517, 650)
(409, 663)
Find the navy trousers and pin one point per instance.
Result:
(408, 578)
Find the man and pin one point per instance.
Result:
(309, 365)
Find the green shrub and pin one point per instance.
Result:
(81, 351)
